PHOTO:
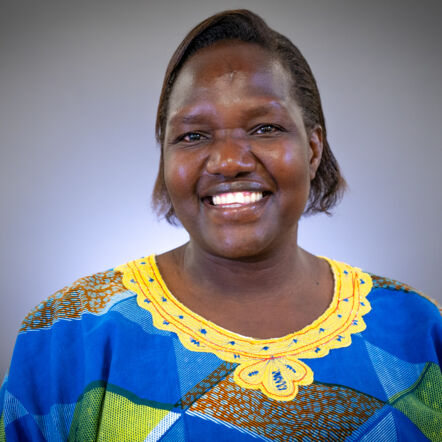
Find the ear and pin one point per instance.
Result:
(316, 147)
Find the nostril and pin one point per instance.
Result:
(231, 160)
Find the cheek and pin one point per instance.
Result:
(179, 176)
(291, 167)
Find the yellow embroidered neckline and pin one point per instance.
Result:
(270, 365)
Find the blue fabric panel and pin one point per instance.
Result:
(211, 431)
(14, 409)
(3, 390)
(193, 367)
(132, 312)
(176, 433)
(390, 425)
(55, 426)
(40, 363)
(95, 348)
(391, 316)
(406, 429)
(384, 430)
(383, 415)
(142, 363)
(394, 374)
(348, 366)
(24, 429)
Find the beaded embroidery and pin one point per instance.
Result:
(270, 365)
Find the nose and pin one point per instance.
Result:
(230, 157)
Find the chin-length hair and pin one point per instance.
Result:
(328, 184)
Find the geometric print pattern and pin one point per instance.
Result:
(14, 409)
(316, 410)
(394, 374)
(272, 365)
(55, 425)
(205, 385)
(422, 402)
(321, 412)
(164, 425)
(384, 431)
(388, 283)
(203, 395)
(196, 371)
(92, 294)
(110, 413)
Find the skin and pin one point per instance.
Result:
(233, 125)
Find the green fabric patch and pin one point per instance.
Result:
(105, 413)
(2, 429)
(422, 402)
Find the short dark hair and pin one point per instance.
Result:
(328, 185)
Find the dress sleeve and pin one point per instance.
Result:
(55, 353)
(17, 396)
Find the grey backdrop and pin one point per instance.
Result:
(79, 83)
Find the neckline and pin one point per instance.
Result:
(233, 334)
(271, 365)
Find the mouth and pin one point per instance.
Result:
(235, 199)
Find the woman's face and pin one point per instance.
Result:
(238, 160)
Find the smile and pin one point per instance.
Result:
(236, 199)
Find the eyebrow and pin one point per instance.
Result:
(200, 117)
(265, 109)
(191, 119)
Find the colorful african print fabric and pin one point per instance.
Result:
(116, 357)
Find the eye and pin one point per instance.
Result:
(191, 137)
(266, 129)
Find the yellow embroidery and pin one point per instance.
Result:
(270, 365)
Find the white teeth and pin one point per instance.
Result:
(236, 198)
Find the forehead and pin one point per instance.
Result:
(228, 69)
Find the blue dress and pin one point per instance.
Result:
(116, 357)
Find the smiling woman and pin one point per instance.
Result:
(233, 127)
(240, 333)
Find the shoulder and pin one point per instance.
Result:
(400, 321)
(381, 291)
(91, 294)
(401, 294)
(394, 311)
(403, 319)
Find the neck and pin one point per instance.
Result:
(270, 295)
(250, 277)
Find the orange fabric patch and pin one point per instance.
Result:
(317, 412)
(90, 294)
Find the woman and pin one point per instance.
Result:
(240, 333)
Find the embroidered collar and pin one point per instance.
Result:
(270, 365)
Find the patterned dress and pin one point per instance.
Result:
(116, 357)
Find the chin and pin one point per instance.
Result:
(243, 248)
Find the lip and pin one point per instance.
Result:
(234, 186)
(237, 206)
(237, 214)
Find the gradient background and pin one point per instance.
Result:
(79, 84)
